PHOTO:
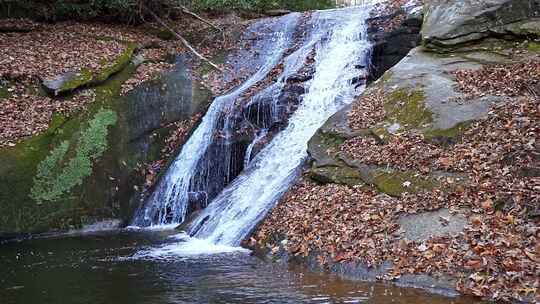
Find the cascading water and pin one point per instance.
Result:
(190, 172)
(341, 47)
(339, 41)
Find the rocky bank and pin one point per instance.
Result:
(431, 178)
(91, 113)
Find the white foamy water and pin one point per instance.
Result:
(185, 247)
(342, 45)
(169, 203)
(343, 52)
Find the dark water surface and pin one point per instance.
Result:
(98, 269)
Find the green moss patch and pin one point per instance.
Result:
(446, 137)
(323, 147)
(82, 78)
(58, 174)
(4, 93)
(338, 175)
(116, 66)
(395, 183)
(386, 77)
(87, 77)
(533, 47)
(407, 107)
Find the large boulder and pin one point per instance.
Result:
(452, 23)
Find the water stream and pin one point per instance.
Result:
(341, 46)
(236, 180)
(238, 194)
(198, 168)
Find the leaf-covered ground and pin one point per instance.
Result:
(31, 52)
(49, 50)
(496, 256)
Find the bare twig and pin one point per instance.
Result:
(188, 12)
(184, 41)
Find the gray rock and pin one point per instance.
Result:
(431, 74)
(422, 226)
(57, 84)
(389, 47)
(449, 22)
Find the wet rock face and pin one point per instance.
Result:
(131, 130)
(251, 127)
(451, 23)
(391, 45)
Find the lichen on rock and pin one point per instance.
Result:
(56, 175)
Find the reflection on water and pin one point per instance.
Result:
(101, 269)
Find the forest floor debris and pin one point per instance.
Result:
(501, 80)
(44, 51)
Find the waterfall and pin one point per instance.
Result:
(341, 45)
(338, 39)
(169, 203)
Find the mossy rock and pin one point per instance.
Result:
(72, 80)
(533, 47)
(447, 137)
(107, 69)
(164, 34)
(4, 93)
(395, 183)
(407, 107)
(58, 173)
(338, 175)
(85, 166)
(323, 148)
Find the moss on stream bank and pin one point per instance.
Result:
(58, 174)
(85, 167)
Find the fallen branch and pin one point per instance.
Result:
(184, 41)
(188, 12)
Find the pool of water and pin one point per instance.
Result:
(140, 267)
